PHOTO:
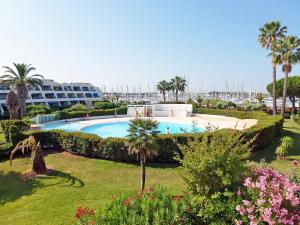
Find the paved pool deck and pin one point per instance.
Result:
(201, 120)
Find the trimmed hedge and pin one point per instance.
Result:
(77, 114)
(267, 127)
(90, 145)
(6, 124)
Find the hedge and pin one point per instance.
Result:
(267, 127)
(6, 124)
(90, 145)
(77, 114)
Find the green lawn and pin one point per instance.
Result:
(79, 181)
(290, 129)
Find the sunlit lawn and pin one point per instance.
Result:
(78, 181)
(290, 129)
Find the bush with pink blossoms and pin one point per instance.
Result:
(268, 197)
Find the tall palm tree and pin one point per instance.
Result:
(141, 140)
(268, 36)
(178, 84)
(38, 165)
(163, 86)
(18, 78)
(289, 54)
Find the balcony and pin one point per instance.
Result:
(50, 95)
(88, 95)
(68, 88)
(37, 96)
(47, 88)
(80, 95)
(71, 95)
(61, 95)
(57, 88)
(95, 95)
(85, 89)
(77, 88)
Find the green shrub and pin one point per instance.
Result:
(5, 125)
(153, 206)
(15, 135)
(77, 107)
(267, 127)
(77, 114)
(105, 105)
(285, 144)
(33, 110)
(214, 167)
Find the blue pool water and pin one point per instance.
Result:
(119, 129)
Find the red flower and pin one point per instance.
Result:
(92, 222)
(177, 198)
(294, 163)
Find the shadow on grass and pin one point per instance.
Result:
(268, 154)
(13, 185)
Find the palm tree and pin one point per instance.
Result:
(178, 84)
(19, 79)
(13, 105)
(38, 165)
(268, 36)
(141, 140)
(289, 54)
(163, 86)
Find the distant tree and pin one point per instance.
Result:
(288, 50)
(178, 84)
(293, 89)
(13, 105)
(259, 97)
(19, 79)
(199, 100)
(141, 140)
(38, 165)
(163, 87)
(268, 36)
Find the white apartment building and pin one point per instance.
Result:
(52, 93)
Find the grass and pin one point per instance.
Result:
(78, 181)
(268, 154)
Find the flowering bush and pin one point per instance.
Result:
(85, 215)
(268, 197)
(152, 206)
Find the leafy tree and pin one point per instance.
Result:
(163, 86)
(37, 156)
(293, 89)
(141, 140)
(178, 84)
(19, 79)
(288, 51)
(268, 36)
(13, 105)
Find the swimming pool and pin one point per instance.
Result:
(119, 129)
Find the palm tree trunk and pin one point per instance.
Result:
(284, 93)
(293, 101)
(274, 91)
(176, 95)
(143, 173)
(38, 162)
(164, 95)
(22, 93)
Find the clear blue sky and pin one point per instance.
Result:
(119, 43)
